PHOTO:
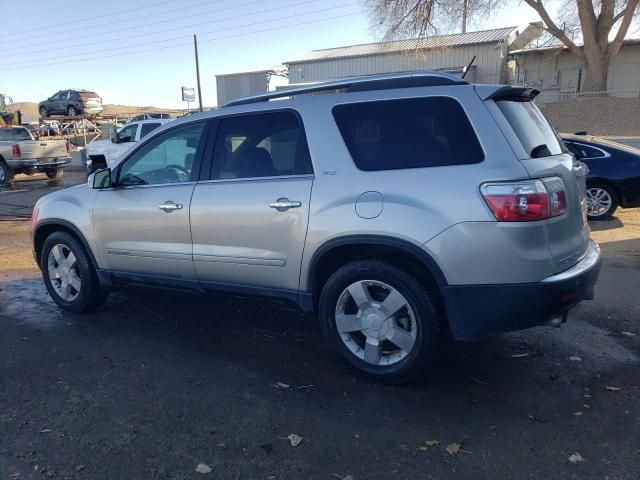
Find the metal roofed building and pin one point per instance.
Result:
(448, 53)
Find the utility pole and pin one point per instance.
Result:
(195, 46)
(465, 7)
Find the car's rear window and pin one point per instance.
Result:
(14, 134)
(533, 130)
(408, 133)
(84, 95)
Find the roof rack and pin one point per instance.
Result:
(359, 84)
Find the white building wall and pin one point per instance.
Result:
(232, 86)
(490, 64)
(556, 73)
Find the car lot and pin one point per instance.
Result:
(154, 384)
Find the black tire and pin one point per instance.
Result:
(90, 294)
(613, 195)
(419, 298)
(55, 174)
(43, 112)
(72, 111)
(6, 173)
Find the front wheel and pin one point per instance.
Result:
(55, 174)
(69, 275)
(380, 320)
(602, 201)
(43, 112)
(6, 174)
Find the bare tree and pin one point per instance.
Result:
(602, 25)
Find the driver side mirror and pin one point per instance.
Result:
(102, 179)
(116, 138)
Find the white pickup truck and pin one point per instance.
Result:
(20, 152)
(106, 153)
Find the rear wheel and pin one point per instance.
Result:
(69, 275)
(6, 173)
(72, 111)
(55, 174)
(380, 320)
(602, 201)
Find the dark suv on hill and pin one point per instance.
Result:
(71, 103)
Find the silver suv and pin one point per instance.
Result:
(402, 209)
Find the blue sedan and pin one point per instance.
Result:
(614, 174)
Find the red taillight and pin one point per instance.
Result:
(15, 150)
(527, 200)
(67, 145)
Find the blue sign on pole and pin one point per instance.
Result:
(188, 94)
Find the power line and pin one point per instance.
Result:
(93, 17)
(166, 47)
(138, 27)
(100, 42)
(155, 42)
(94, 27)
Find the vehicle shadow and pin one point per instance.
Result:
(612, 223)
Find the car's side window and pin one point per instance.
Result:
(128, 133)
(147, 128)
(261, 145)
(168, 158)
(590, 151)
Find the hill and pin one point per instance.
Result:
(30, 110)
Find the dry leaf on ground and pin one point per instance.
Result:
(453, 448)
(295, 439)
(575, 358)
(203, 468)
(575, 457)
(628, 334)
(283, 385)
(613, 389)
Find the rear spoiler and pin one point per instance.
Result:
(506, 92)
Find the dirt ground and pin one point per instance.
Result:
(156, 383)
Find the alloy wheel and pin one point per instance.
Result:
(599, 201)
(3, 173)
(64, 272)
(376, 322)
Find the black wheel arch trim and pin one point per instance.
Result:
(70, 226)
(425, 259)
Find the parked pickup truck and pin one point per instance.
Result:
(106, 153)
(20, 152)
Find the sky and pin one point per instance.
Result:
(140, 52)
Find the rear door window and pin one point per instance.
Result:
(408, 133)
(533, 130)
(268, 144)
(147, 128)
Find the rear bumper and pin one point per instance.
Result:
(41, 164)
(475, 311)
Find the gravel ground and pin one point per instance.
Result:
(154, 384)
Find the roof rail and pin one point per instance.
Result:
(359, 84)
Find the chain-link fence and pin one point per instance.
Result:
(608, 114)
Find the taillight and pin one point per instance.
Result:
(66, 144)
(15, 150)
(526, 200)
(34, 217)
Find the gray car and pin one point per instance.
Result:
(71, 103)
(401, 209)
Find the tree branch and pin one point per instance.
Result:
(627, 16)
(552, 28)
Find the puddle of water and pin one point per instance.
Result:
(28, 302)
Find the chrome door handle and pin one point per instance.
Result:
(170, 206)
(284, 204)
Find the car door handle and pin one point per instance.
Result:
(170, 206)
(284, 204)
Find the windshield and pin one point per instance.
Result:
(533, 130)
